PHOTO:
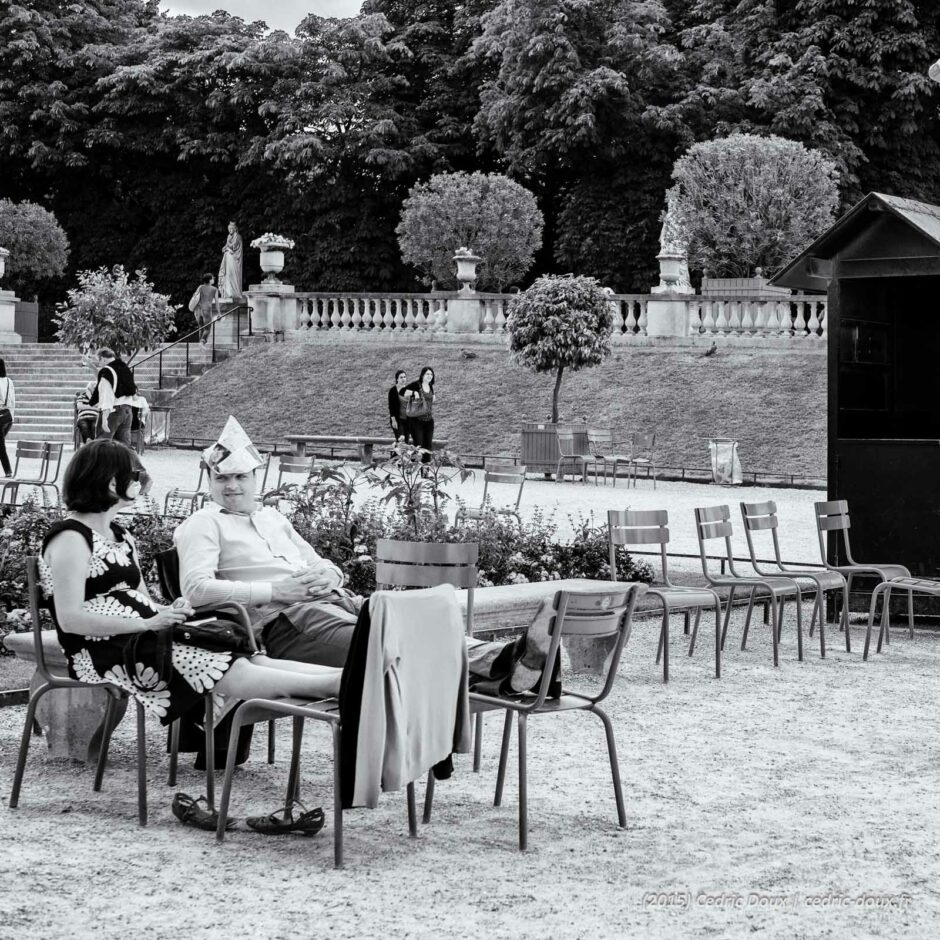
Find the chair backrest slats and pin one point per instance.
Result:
(409, 575)
(760, 509)
(715, 530)
(31, 450)
(832, 523)
(566, 443)
(427, 564)
(296, 464)
(627, 535)
(439, 553)
(713, 514)
(755, 523)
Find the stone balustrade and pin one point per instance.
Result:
(731, 319)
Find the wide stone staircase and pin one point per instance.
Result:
(46, 377)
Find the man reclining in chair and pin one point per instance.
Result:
(234, 550)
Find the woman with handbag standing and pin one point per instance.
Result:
(7, 410)
(396, 409)
(419, 403)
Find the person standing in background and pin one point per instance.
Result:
(114, 395)
(421, 410)
(7, 411)
(396, 413)
(207, 299)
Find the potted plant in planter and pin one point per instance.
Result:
(272, 248)
(560, 322)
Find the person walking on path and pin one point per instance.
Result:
(420, 395)
(114, 396)
(396, 413)
(7, 411)
(207, 299)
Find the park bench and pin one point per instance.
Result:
(363, 445)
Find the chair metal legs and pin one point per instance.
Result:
(107, 728)
(141, 765)
(522, 729)
(174, 753)
(24, 744)
(614, 765)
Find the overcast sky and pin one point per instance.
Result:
(278, 14)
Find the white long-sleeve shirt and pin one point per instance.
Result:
(8, 392)
(229, 557)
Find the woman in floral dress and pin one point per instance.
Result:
(110, 628)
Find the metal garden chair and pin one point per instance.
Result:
(514, 476)
(597, 615)
(569, 455)
(833, 516)
(651, 527)
(763, 517)
(714, 522)
(37, 465)
(641, 457)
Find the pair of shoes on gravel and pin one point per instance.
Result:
(190, 813)
(283, 821)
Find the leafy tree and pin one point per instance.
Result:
(840, 76)
(492, 215)
(108, 308)
(748, 202)
(560, 323)
(38, 246)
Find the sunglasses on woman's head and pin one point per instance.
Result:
(136, 475)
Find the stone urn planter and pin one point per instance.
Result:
(272, 248)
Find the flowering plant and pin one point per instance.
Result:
(270, 240)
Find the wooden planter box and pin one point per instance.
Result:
(540, 445)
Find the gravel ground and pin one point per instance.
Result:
(799, 801)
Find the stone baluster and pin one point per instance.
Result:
(641, 321)
(799, 326)
(721, 320)
(388, 318)
(781, 318)
(695, 317)
(813, 320)
(500, 321)
(747, 317)
(760, 318)
(356, 322)
(409, 315)
(421, 316)
(708, 317)
(488, 318)
(440, 316)
(823, 319)
(345, 317)
(630, 320)
(397, 317)
(320, 309)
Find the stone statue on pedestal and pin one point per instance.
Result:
(230, 273)
(673, 252)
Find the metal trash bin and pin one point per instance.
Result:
(726, 466)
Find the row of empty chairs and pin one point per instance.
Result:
(601, 454)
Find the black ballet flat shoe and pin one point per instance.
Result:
(190, 813)
(283, 821)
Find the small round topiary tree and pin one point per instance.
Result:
(496, 217)
(38, 246)
(749, 202)
(108, 308)
(560, 322)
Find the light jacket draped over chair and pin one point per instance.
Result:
(405, 685)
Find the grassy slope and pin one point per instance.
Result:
(773, 403)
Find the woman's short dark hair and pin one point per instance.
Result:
(421, 374)
(91, 469)
(3, 370)
(398, 373)
(207, 279)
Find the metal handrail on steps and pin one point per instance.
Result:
(183, 339)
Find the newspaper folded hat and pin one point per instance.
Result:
(233, 452)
